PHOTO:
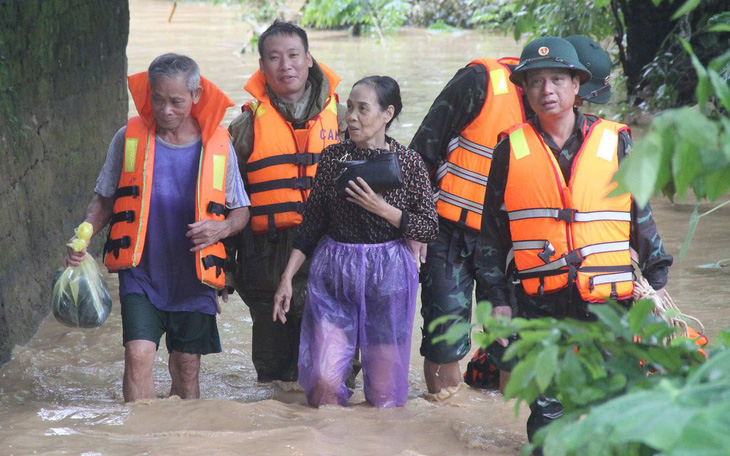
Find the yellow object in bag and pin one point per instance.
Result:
(80, 297)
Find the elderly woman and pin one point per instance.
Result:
(171, 189)
(363, 279)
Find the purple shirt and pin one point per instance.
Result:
(166, 273)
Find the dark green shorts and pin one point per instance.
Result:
(447, 286)
(186, 332)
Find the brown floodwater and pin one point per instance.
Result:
(61, 393)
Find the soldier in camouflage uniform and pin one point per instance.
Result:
(496, 236)
(462, 120)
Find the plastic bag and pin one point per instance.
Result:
(80, 297)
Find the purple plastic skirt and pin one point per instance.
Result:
(358, 295)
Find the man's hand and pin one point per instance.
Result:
(282, 300)
(223, 293)
(205, 233)
(503, 311)
(72, 257)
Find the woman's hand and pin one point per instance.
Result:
(361, 194)
(282, 299)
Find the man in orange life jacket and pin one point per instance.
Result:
(278, 138)
(171, 189)
(546, 206)
(455, 140)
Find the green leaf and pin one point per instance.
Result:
(442, 321)
(484, 311)
(693, 221)
(454, 333)
(722, 90)
(703, 90)
(684, 9)
(546, 365)
(638, 313)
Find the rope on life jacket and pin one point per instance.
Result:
(665, 305)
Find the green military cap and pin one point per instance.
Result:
(598, 62)
(549, 52)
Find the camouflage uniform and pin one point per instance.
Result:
(495, 242)
(448, 275)
(260, 259)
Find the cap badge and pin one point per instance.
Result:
(543, 50)
(605, 81)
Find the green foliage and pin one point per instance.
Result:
(358, 15)
(560, 18)
(686, 148)
(459, 13)
(623, 390)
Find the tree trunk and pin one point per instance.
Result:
(647, 26)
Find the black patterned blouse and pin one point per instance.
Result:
(343, 221)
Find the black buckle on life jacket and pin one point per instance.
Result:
(573, 257)
(114, 245)
(130, 190)
(214, 261)
(306, 159)
(215, 208)
(302, 183)
(547, 252)
(567, 215)
(124, 216)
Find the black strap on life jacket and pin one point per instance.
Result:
(124, 216)
(304, 159)
(215, 208)
(301, 183)
(214, 261)
(272, 209)
(278, 208)
(130, 190)
(113, 245)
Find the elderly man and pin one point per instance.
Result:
(547, 205)
(172, 191)
(278, 138)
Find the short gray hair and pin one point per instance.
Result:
(175, 66)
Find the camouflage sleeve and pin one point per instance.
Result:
(495, 240)
(455, 107)
(653, 261)
(241, 131)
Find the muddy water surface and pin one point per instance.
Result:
(61, 393)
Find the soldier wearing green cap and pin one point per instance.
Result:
(598, 62)
(547, 220)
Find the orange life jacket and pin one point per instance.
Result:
(126, 241)
(281, 169)
(574, 233)
(463, 176)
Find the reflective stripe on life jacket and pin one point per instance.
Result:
(125, 245)
(281, 169)
(463, 176)
(575, 233)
